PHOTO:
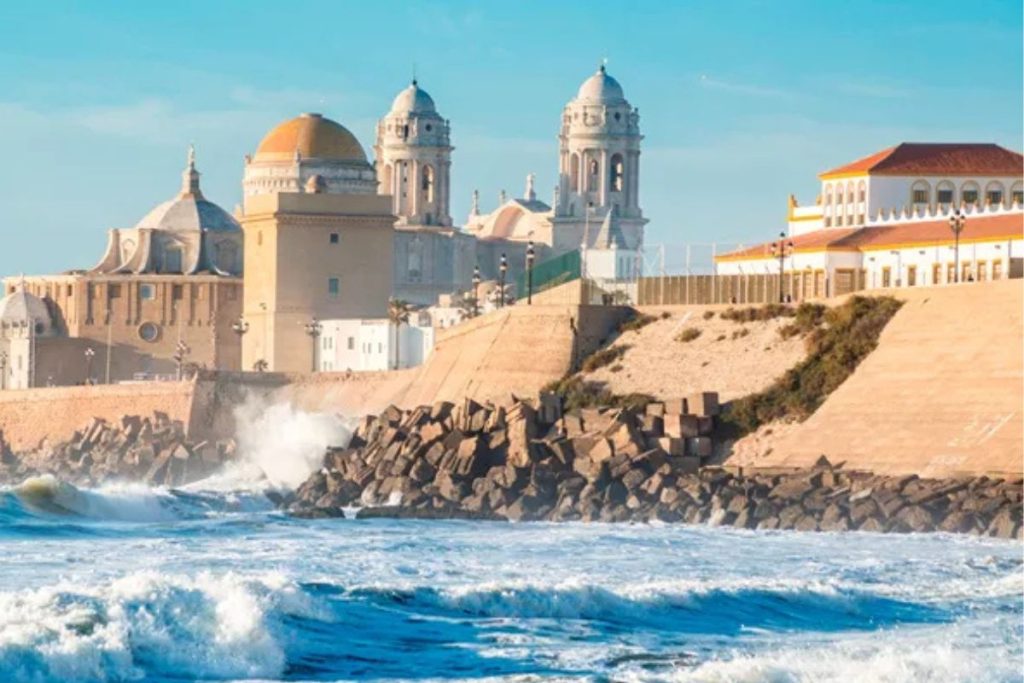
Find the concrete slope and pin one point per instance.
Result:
(940, 396)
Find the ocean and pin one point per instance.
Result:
(126, 583)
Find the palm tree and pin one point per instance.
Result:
(398, 313)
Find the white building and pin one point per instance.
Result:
(884, 221)
(363, 345)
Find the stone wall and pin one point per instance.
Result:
(30, 416)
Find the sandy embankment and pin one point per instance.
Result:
(723, 358)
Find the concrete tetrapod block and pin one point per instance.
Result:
(703, 403)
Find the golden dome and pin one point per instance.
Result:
(312, 136)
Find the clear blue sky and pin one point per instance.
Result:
(741, 102)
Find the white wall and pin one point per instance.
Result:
(368, 345)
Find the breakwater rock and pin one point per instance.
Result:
(153, 450)
(616, 465)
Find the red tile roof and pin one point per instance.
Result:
(977, 229)
(952, 159)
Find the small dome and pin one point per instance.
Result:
(187, 213)
(601, 89)
(413, 100)
(313, 137)
(19, 308)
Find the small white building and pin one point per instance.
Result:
(884, 221)
(375, 344)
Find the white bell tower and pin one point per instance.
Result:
(598, 165)
(413, 153)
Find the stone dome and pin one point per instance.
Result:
(413, 100)
(189, 210)
(601, 89)
(312, 137)
(20, 310)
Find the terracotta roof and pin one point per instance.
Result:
(952, 159)
(977, 229)
(818, 240)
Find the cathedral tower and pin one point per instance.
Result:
(598, 165)
(318, 241)
(414, 160)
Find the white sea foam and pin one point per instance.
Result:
(278, 446)
(203, 626)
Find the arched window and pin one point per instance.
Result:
(969, 193)
(574, 172)
(945, 193)
(849, 192)
(172, 259)
(994, 192)
(428, 183)
(618, 172)
(593, 170)
(1017, 193)
(862, 191)
(920, 193)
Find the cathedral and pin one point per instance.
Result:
(323, 234)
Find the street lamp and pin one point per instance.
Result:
(240, 327)
(781, 250)
(476, 290)
(181, 351)
(503, 270)
(530, 256)
(313, 329)
(957, 221)
(89, 355)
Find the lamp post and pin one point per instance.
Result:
(957, 221)
(781, 250)
(530, 256)
(89, 355)
(3, 370)
(313, 329)
(502, 270)
(476, 290)
(181, 351)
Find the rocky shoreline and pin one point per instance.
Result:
(152, 450)
(476, 461)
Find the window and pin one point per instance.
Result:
(333, 287)
(618, 172)
(920, 196)
(176, 291)
(886, 276)
(149, 332)
(114, 291)
(945, 196)
(911, 276)
(147, 292)
(334, 238)
(860, 219)
(351, 343)
(936, 274)
(70, 290)
(970, 196)
(982, 271)
(828, 221)
(1018, 196)
(994, 197)
(997, 270)
(427, 183)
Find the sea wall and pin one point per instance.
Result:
(939, 397)
(28, 417)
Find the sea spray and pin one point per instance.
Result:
(281, 444)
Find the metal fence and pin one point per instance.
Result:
(551, 273)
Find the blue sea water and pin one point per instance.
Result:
(125, 583)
